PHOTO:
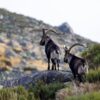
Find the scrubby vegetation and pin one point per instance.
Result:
(90, 90)
(93, 76)
(92, 54)
(44, 91)
(40, 91)
(88, 96)
(18, 93)
(18, 45)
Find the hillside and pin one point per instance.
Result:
(19, 45)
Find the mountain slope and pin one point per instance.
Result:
(20, 45)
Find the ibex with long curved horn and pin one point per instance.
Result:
(52, 50)
(76, 64)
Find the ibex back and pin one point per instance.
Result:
(76, 64)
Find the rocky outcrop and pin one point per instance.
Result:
(66, 28)
(46, 76)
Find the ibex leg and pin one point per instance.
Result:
(48, 64)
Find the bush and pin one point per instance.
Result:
(18, 93)
(92, 54)
(31, 96)
(93, 76)
(43, 91)
(8, 94)
(88, 96)
(22, 94)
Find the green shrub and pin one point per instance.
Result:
(31, 96)
(93, 76)
(18, 93)
(92, 54)
(22, 94)
(88, 96)
(8, 94)
(43, 91)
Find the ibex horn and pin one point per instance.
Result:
(51, 31)
(76, 44)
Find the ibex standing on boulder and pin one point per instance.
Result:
(51, 49)
(76, 64)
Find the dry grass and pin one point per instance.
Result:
(4, 60)
(38, 64)
(3, 48)
(15, 60)
(73, 90)
(7, 63)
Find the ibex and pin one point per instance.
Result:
(76, 64)
(52, 50)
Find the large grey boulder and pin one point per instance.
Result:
(46, 76)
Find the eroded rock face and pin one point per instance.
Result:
(46, 76)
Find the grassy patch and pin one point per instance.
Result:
(88, 96)
(41, 91)
(93, 76)
(44, 91)
(18, 93)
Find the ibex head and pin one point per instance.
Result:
(45, 37)
(67, 51)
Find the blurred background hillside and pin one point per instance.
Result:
(19, 45)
